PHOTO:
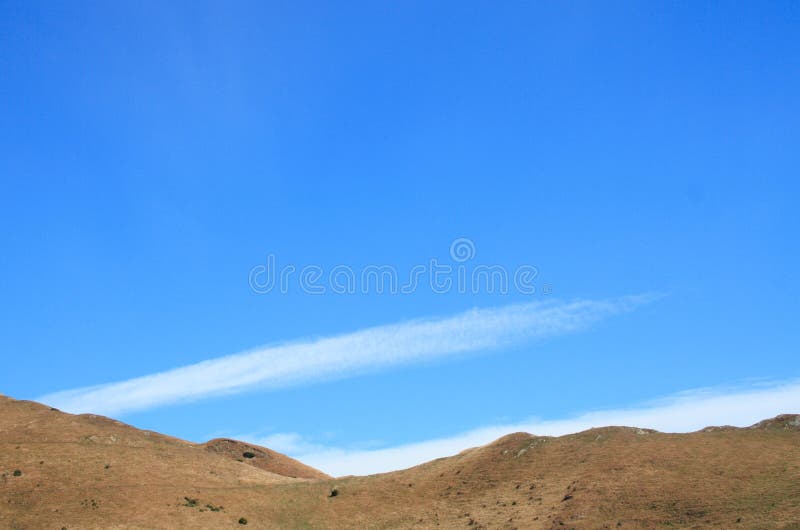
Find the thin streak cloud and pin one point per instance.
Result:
(343, 355)
(685, 412)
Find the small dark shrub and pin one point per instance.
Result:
(248, 454)
(17, 473)
(242, 520)
(334, 492)
(191, 503)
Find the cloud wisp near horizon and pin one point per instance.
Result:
(343, 355)
(684, 412)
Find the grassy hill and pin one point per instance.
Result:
(83, 471)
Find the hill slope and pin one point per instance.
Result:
(263, 458)
(88, 471)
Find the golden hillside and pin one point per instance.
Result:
(60, 470)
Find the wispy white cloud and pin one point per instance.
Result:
(343, 355)
(284, 442)
(685, 412)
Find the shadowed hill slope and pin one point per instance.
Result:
(263, 458)
(59, 470)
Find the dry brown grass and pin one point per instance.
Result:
(92, 472)
(263, 458)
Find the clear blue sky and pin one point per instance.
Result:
(151, 155)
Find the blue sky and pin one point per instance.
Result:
(151, 156)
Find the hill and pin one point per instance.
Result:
(263, 458)
(82, 471)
